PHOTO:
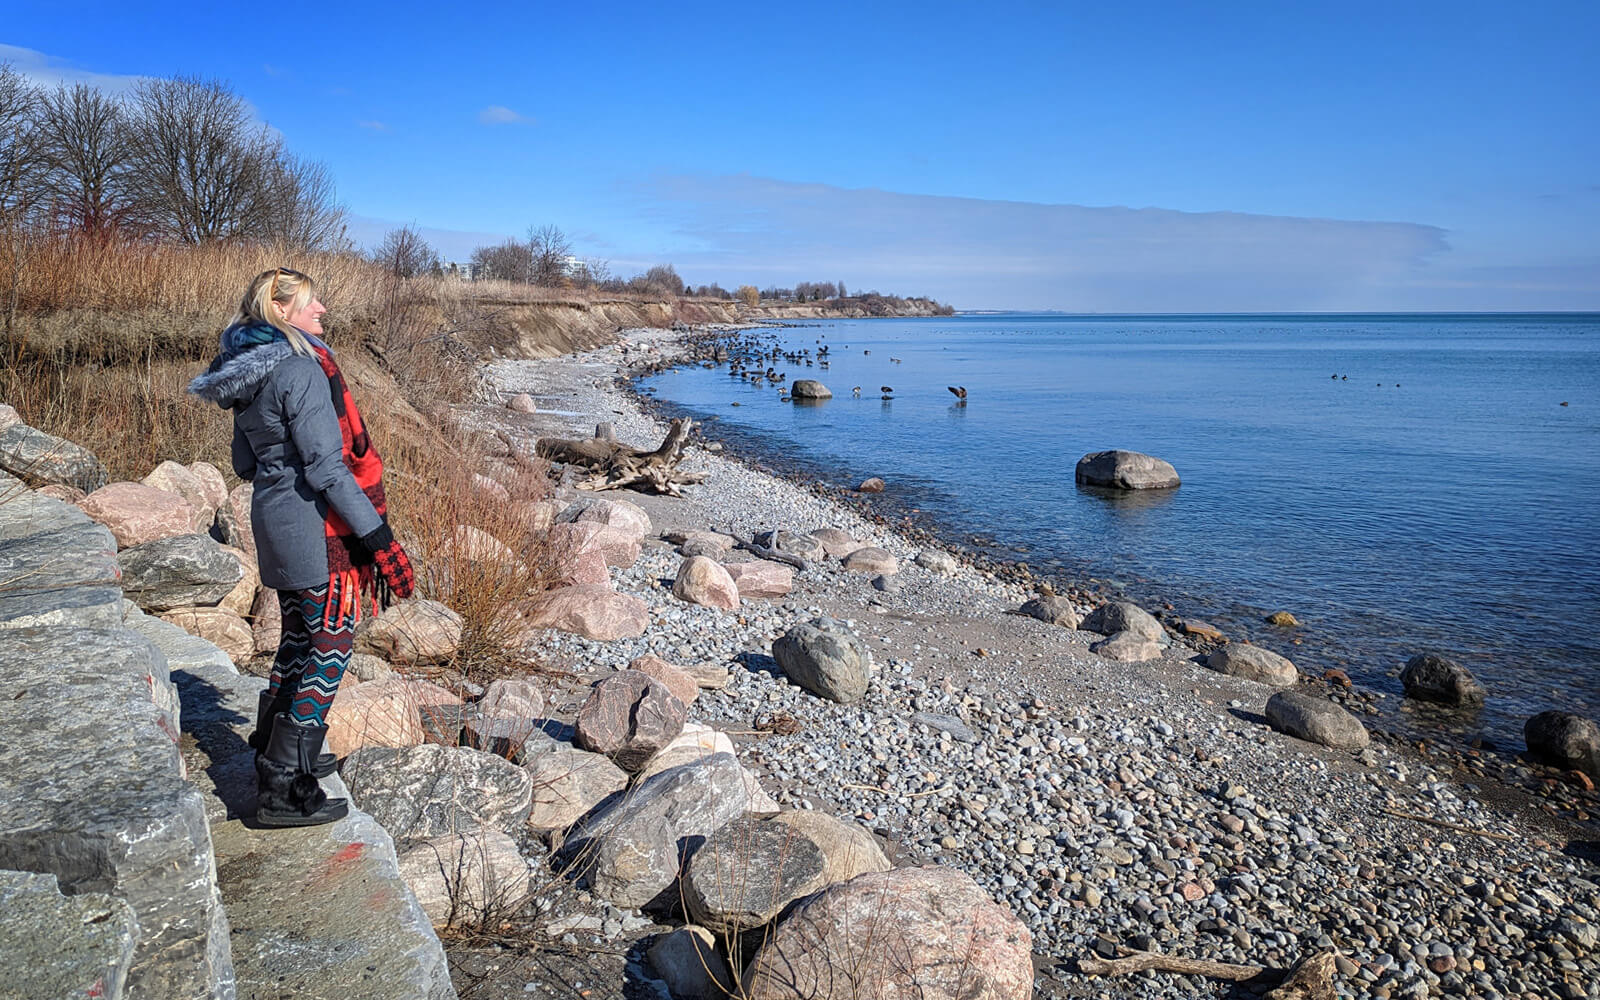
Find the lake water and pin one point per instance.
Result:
(1436, 494)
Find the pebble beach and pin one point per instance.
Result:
(1110, 805)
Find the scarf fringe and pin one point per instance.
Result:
(347, 588)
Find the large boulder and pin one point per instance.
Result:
(706, 543)
(629, 717)
(682, 685)
(1254, 664)
(590, 610)
(1315, 720)
(629, 517)
(211, 481)
(567, 783)
(617, 546)
(461, 878)
(137, 513)
(809, 388)
(1431, 677)
(241, 600)
(56, 945)
(218, 626)
(430, 790)
(234, 518)
(472, 545)
(702, 580)
(804, 546)
(761, 578)
(836, 543)
(411, 632)
(586, 566)
(512, 698)
(1052, 608)
(1127, 647)
(176, 572)
(1125, 470)
(632, 849)
(873, 560)
(687, 960)
(1564, 739)
(266, 622)
(747, 872)
(696, 741)
(38, 458)
(1123, 616)
(936, 561)
(910, 934)
(848, 849)
(826, 658)
(382, 713)
(181, 480)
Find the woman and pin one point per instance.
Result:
(317, 515)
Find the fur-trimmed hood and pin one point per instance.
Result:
(234, 379)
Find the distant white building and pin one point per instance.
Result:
(573, 267)
(462, 270)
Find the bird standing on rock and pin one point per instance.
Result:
(886, 388)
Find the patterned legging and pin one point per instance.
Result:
(312, 654)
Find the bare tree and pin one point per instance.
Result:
(299, 209)
(19, 171)
(198, 161)
(509, 261)
(405, 254)
(84, 144)
(548, 248)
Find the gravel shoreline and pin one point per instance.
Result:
(1141, 805)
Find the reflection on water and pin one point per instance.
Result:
(1130, 501)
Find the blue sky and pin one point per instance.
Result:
(1154, 157)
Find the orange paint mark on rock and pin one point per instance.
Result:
(346, 855)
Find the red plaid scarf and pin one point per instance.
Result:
(351, 571)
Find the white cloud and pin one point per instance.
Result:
(979, 253)
(497, 114)
(49, 71)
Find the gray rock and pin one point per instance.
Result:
(747, 872)
(1053, 608)
(463, 878)
(429, 790)
(935, 561)
(1127, 647)
(1253, 663)
(1123, 616)
(804, 546)
(36, 458)
(62, 946)
(826, 658)
(688, 962)
(629, 717)
(887, 584)
(1125, 470)
(1431, 677)
(319, 911)
(179, 571)
(632, 849)
(809, 388)
(957, 729)
(848, 849)
(1316, 720)
(182, 650)
(65, 577)
(1564, 739)
(24, 513)
(92, 789)
(515, 739)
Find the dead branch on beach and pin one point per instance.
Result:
(615, 466)
(1310, 979)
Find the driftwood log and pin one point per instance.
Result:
(1310, 979)
(616, 466)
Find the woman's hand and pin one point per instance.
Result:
(391, 560)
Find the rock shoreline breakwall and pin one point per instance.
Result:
(124, 778)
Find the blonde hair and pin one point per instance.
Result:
(284, 285)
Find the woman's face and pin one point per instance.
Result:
(307, 320)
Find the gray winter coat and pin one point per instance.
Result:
(286, 440)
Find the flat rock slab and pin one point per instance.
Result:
(24, 513)
(38, 457)
(318, 913)
(62, 946)
(92, 789)
(66, 576)
(182, 650)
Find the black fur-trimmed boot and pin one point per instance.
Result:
(287, 793)
(267, 709)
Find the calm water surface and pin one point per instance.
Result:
(1435, 495)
